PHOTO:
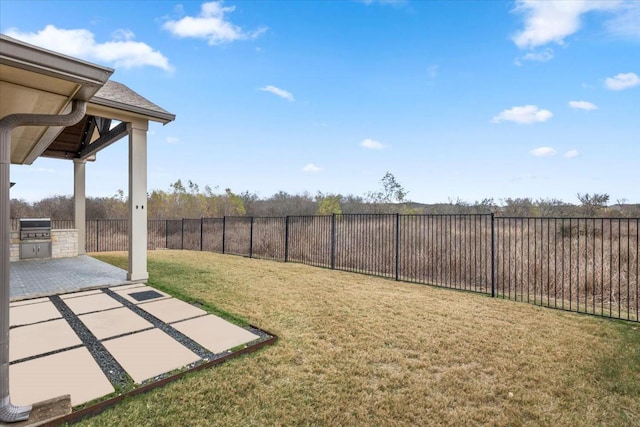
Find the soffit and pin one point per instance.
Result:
(25, 91)
(38, 81)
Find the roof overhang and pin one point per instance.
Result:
(38, 81)
(111, 108)
(113, 102)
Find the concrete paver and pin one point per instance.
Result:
(171, 310)
(81, 294)
(131, 286)
(32, 340)
(147, 354)
(214, 334)
(110, 323)
(89, 303)
(128, 291)
(28, 314)
(28, 302)
(71, 372)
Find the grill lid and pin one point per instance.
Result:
(35, 228)
(29, 223)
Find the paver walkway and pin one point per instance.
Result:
(89, 343)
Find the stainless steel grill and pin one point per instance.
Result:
(35, 229)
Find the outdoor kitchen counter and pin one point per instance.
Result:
(64, 243)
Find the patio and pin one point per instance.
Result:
(44, 277)
(77, 328)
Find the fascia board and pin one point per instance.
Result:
(22, 55)
(155, 116)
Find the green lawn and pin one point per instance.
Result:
(359, 350)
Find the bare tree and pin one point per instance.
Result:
(593, 204)
(521, 207)
(389, 195)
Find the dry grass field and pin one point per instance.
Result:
(360, 350)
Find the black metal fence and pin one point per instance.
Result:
(586, 265)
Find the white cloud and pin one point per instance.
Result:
(552, 21)
(123, 34)
(571, 154)
(542, 56)
(626, 23)
(172, 140)
(371, 144)
(525, 114)
(622, 81)
(543, 152)
(279, 92)
(122, 51)
(583, 105)
(212, 25)
(311, 168)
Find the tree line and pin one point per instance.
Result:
(191, 201)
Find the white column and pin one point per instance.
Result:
(79, 202)
(138, 201)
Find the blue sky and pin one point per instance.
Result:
(458, 99)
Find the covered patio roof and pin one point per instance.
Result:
(95, 132)
(57, 106)
(38, 81)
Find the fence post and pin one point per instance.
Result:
(493, 257)
(224, 229)
(397, 245)
(333, 241)
(201, 233)
(97, 235)
(166, 234)
(286, 238)
(251, 239)
(182, 235)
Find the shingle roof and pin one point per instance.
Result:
(117, 95)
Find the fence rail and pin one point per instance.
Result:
(586, 265)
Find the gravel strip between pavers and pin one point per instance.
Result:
(202, 352)
(114, 372)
